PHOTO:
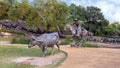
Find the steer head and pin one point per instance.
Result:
(31, 42)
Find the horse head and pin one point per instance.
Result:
(68, 27)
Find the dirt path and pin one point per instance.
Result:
(91, 58)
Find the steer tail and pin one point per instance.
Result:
(58, 28)
(61, 35)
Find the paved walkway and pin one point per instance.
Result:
(4, 42)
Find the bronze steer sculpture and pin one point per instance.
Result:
(44, 41)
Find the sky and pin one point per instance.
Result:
(109, 8)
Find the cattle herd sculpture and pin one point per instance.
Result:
(104, 40)
(19, 26)
(50, 39)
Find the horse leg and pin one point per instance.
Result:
(73, 43)
(79, 44)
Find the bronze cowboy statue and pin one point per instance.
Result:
(77, 24)
(77, 31)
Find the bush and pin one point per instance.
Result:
(66, 41)
(89, 45)
(19, 40)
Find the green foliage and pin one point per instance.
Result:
(14, 65)
(89, 45)
(95, 20)
(77, 39)
(4, 7)
(51, 13)
(76, 12)
(19, 10)
(66, 41)
(112, 29)
(92, 17)
(19, 40)
(42, 14)
(47, 14)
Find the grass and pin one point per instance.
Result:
(67, 40)
(5, 39)
(8, 51)
(16, 51)
(14, 65)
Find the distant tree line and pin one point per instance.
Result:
(47, 14)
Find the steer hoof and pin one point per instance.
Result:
(43, 55)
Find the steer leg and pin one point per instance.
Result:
(58, 47)
(44, 51)
(52, 50)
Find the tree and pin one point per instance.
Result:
(10, 1)
(113, 29)
(19, 10)
(95, 20)
(76, 12)
(4, 7)
(42, 14)
(51, 13)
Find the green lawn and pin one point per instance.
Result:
(8, 52)
(5, 39)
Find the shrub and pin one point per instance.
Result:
(19, 40)
(89, 45)
(66, 41)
